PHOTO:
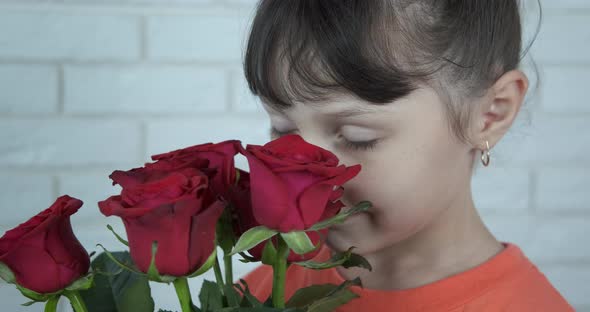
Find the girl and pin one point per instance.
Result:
(417, 92)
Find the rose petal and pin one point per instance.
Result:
(269, 194)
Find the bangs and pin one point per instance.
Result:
(309, 50)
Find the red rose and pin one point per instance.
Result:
(215, 160)
(295, 184)
(174, 208)
(240, 199)
(43, 253)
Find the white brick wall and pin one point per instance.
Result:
(113, 89)
(87, 87)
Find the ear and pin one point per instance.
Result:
(500, 108)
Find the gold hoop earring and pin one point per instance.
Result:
(485, 155)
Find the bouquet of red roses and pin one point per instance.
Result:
(177, 211)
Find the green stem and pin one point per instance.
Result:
(183, 293)
(279, 269)
(218, 277)
(76, 301)
(229, 270)
(51, 305)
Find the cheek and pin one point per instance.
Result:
(408, 187)
(404, 196)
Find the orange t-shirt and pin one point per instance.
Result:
(509, 281)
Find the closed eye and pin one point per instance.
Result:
(354, 145)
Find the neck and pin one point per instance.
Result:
(457, 240)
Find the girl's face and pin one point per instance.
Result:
(413, 167)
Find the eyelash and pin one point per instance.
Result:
(364, 146)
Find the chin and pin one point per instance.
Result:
(348, 234)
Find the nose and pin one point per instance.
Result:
(321, 141)
(315, 139)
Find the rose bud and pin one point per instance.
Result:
(174, 208)
(43, 253)
(295, 184)
(215, 160)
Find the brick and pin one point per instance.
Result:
(563, 4)
(563, 39)
(571, 282)
(244, 2)
(46, 142)
(165, 89)
(90, 188)
(167, 2)
(501, 190)
(533, 96)
(12, 299)
(22, 196)
(560, 190)
(513, 229)
(17, 83)
(243, 100)
(546, 141)
(51, 36)
(560, 240)
(564, 89)
(198, 37)
(506, 153)
(91, 234)
(545, 240)
(164, 136)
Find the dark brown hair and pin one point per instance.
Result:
(382, 50)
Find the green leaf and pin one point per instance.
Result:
(233, 298)
(358, 261)
(339, 218)
(269, 253)
(346, 259)
(194, 308)
(33, 295)
(123, 241)
(248, 300)
(299, 242)
(324, 297)
(82, 283)
(331, 302)
(305, 296)
(153, 273)
(246, 258)
(252, 237)
(206, 266)
(210, 297)
(121, 265)
(117, 290)
(6, 274)
(28, 304)
(339, 296)
(337, 259)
